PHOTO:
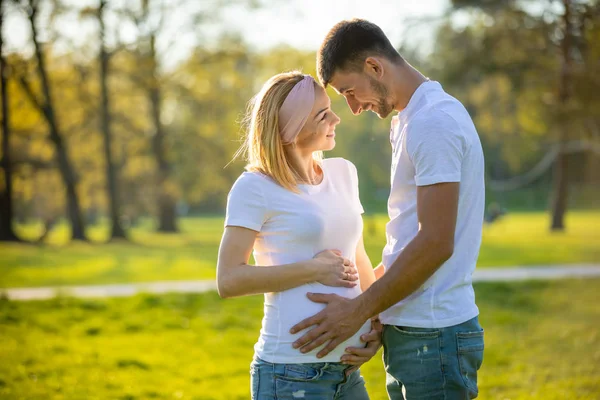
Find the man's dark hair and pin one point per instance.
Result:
(348, 44)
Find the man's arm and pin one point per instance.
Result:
(437, 208)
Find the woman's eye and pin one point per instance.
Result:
(324, 115)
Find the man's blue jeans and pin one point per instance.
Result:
(318, 381)
(433, 363)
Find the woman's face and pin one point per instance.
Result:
(318, 133)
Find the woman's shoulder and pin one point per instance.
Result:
(255, 181)
(255, 177)
(338, 165)
(250, 180)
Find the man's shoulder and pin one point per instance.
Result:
(439, 122)
(443, 114)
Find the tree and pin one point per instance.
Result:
(152, 21)
(560, 39)
(148, 77)
(47, 107)
(167, 221)
(117, 230)
(6, 186)
(561, 184)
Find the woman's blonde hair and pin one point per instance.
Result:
(262, 147)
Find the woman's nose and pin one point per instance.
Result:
(336, 119)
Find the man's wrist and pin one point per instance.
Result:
(362, 310)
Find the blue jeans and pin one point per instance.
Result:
(433, 363)
(318, 381)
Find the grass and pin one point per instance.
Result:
(518, 239)
(542, 342)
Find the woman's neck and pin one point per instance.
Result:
(305, 167)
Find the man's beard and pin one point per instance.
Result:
(383, 107)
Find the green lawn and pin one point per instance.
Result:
(542, 342)
(518, 239)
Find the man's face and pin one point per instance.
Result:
(362, 93)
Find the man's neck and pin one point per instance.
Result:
(406, 81)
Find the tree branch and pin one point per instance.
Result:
(29, 92)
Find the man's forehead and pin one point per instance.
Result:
(342, 81)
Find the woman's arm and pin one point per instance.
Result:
(364, 266)
(236, 278)
(379, 271)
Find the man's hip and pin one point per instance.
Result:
(433, 363)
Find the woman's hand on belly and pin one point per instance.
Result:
(334, 270)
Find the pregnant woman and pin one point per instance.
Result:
(301, 214)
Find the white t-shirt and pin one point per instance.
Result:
(293, 228)
(434, 141)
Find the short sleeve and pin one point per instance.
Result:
(436, 147)
(246, 205)
(355, 191)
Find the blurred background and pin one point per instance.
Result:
(119, 122)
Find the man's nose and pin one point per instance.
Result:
(354, 106)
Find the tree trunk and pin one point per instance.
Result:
(560, 178)
(167, 218)
(7, 232)
(560, 192)
(117, 230)
(46, 106)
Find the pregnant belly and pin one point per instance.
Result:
(285, 309)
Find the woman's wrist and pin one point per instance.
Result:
(313, 272)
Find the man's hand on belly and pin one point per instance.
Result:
(337, 322)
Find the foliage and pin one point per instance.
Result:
(503, 65)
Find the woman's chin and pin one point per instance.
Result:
(329, 145)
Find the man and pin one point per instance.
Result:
(433, 343)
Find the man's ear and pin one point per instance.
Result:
(374, 67)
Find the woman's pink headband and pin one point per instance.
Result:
(296, 108)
